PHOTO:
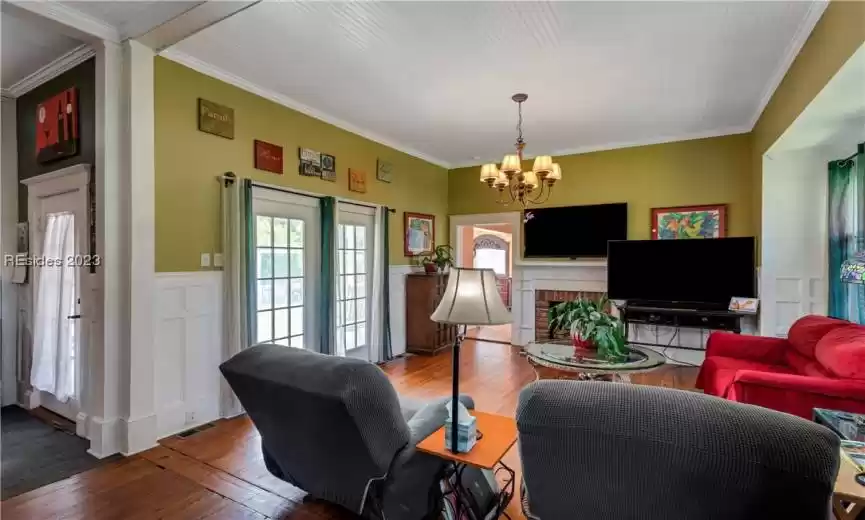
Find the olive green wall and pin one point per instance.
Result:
(187, 162)
(840, 31)
(703, 171)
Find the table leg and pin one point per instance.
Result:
(850, 511)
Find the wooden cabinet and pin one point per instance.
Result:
(423, 292)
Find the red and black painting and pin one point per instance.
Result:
(57, 126)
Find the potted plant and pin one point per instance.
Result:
(590, 327)
(437, 261)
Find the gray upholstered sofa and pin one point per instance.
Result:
(604, 451)
(336, 428)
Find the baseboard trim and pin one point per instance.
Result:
(104, 437)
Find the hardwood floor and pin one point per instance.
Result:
(219, 473)
(494, 333)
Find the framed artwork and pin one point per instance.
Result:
(268, 157)
(215, 119)
(356, 180)
(689, 222)
(328, 167)
(310, 162)
(57, 126)
(384, 171)
(420, 231)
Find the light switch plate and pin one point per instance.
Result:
(205, 259)
(217, 259)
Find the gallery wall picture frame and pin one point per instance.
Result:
(689, 222)
(57, 126)
(268, 157)
(384, 171)
(328, 167)
(356, 180)
(310, 162)
(419, 231)
(215, 119)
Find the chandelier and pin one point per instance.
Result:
(513, 184)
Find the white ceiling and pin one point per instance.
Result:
(435, 78)
(132, 18)
(835, 119)
(26, 46)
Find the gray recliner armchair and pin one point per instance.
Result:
(335, 428)
(604, 451)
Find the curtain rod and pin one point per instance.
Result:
(229, 177)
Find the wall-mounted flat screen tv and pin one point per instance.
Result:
(573, 231)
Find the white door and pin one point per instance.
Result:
(57, 234)
(354, 278)
(287, 249)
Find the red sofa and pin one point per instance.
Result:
(821, 364)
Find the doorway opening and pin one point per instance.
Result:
(489, 246)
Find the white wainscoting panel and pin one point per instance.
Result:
(188, 349)
(397, 307)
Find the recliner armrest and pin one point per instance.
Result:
(753, 348)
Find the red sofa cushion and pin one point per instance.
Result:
(802, 365)
(808, 330)
(720, 372)
(842, 352)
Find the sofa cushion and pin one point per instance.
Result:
(718, 372)
(842, 352)
(803, 365)
(808, 330)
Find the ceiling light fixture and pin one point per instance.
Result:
(526, 187)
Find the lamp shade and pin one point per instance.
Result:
(853, 269)
(543, 164)
(471, 298)
(555, 173)
(489, 172)
(531, 180)
(502, 181)
(511, 164)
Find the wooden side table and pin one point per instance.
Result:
(848, 500)
(497, 435)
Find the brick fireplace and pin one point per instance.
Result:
(544, 299)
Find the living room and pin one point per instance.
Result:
(238, 192)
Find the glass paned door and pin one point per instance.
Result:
(286, 247)
(279, 254)
(352, 285)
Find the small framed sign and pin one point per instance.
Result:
(356, 180)
(310, 162)
(268, 157)
(384, 171)
(215, 119)
(328, 167)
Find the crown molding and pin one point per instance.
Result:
(57, 67)
(815, 12)
(78, 25)
(232, 79)
(721, 132)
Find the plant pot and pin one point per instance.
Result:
(580, 343)
(430, 268)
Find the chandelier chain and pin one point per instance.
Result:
(520, 122)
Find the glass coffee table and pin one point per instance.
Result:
(564, 361)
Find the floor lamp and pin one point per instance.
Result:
(470, 298)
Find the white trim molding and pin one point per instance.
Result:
(73, 22)
(232, 79)
(815, 12)
(57, 67)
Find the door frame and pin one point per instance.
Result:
(73, 179)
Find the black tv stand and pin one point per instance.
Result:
(680, 316)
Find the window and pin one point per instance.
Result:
(279, 273)
(351, 287)
(495, 259)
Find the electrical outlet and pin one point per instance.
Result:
(190, 417)
(217, 259)
(205, 259)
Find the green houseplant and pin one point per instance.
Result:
(590, 327)
(440, 258)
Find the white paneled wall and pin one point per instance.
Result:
(397, 307)
(188, 349)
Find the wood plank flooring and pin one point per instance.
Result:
(219, 473)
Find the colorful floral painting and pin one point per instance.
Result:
(419, 233)
(853, 270)
(689, 222)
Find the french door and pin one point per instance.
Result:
(287, 245)
(353, 276)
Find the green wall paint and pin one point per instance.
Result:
(188, 161)
(704, 171)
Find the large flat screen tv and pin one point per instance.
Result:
(573, 231)
(688, 271)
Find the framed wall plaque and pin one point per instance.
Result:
(215, 119)
(268, 157)
(356, 180)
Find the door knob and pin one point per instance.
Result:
(73, 317)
